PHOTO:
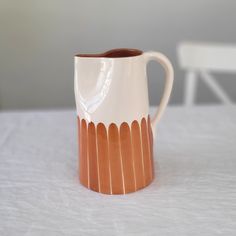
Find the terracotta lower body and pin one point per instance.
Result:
(115, 160)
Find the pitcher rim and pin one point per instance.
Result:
(116, 53)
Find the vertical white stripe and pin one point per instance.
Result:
(98, 170)
(87, 154)
(148, 140)
(80, 150)
(141, 143)
(132, 150)
(108, 155)
(121, 162)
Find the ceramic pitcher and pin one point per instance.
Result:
(115, 130)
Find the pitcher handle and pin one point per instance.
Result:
(166, 64)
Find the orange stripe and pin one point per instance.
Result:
(103, 159)
(79, 142)
(146, 152)
(115, 163)
(137, 153)
(83, 165)
(92, 152)
(151, 144)
(127, 158)
(117, 160)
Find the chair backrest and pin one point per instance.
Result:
(210, 57)
(201, 59)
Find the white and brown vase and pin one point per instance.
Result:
(114, 127)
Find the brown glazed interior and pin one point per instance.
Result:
(115, 53)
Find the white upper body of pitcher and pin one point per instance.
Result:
(111, 87)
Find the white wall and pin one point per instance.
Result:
(39, 38)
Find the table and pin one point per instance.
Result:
(194, 192)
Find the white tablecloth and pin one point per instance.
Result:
(194, 192)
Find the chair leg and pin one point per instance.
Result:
(190, 88)
(212, 83)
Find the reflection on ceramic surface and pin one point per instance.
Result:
(111, 89)
(99, 92)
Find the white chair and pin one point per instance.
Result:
(199, 60)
